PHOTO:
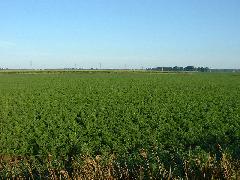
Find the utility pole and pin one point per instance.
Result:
(31, 65)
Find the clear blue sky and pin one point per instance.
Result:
(119, 33)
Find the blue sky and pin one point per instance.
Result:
(119, 33)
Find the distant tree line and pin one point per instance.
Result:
(176, 68)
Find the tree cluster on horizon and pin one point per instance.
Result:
(176, 68)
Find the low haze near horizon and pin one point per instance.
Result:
(119, 34)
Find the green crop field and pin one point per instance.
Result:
(119, 124)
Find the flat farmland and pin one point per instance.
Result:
(119, 124)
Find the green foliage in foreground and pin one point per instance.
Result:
(104, 113)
